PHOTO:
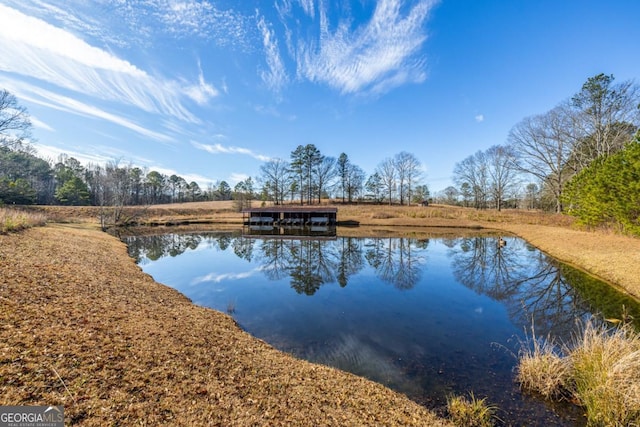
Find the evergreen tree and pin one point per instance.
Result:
(607, 192)
(73, 192)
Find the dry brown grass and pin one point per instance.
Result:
(542, 369)
(599, 369)
(606, 371)
(410, 215)
(170, 214)
(81, 325)
(365, 214)
(15, 219)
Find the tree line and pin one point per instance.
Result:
(27, 179)
(548, 154)
(308, 177)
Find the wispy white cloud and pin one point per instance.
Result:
(39, 124)
(235, 178)
(33, 48)
(77, 20)
(479, 118)
(188, 17)
(375, 57)
(276, 76)
(51, 152)
(203, 91)
(34, 33)
(308, 7)
(221, 149)
(199, 18)
(58, 102)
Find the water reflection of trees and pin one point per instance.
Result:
(274, 258)
(159, 246)
(154, 247)
(395, 260)
(309, 263)
(534, 287)
(351, 260)
(530, 284)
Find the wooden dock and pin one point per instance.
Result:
(277, 216)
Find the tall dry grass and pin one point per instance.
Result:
(13, 219)
(454, 213)
(606, 371)
(542, 368)
(599, 369)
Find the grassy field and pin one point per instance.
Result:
(365, 214)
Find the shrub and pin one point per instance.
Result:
(607, 192)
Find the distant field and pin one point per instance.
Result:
(365, 214)
(389, 215)
(216, 205)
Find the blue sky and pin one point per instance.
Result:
(209, 90)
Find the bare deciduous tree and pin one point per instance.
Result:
(502, 172)
(15, 124)
(388, 178)
(474, 171)
(324, 173)
(354, 182)
(408, 172)
(607, 115)
(276, 179)
(544, 146)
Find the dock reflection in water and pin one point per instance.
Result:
(297, 231)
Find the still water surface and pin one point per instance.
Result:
(426, 317)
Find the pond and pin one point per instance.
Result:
(428, 317)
